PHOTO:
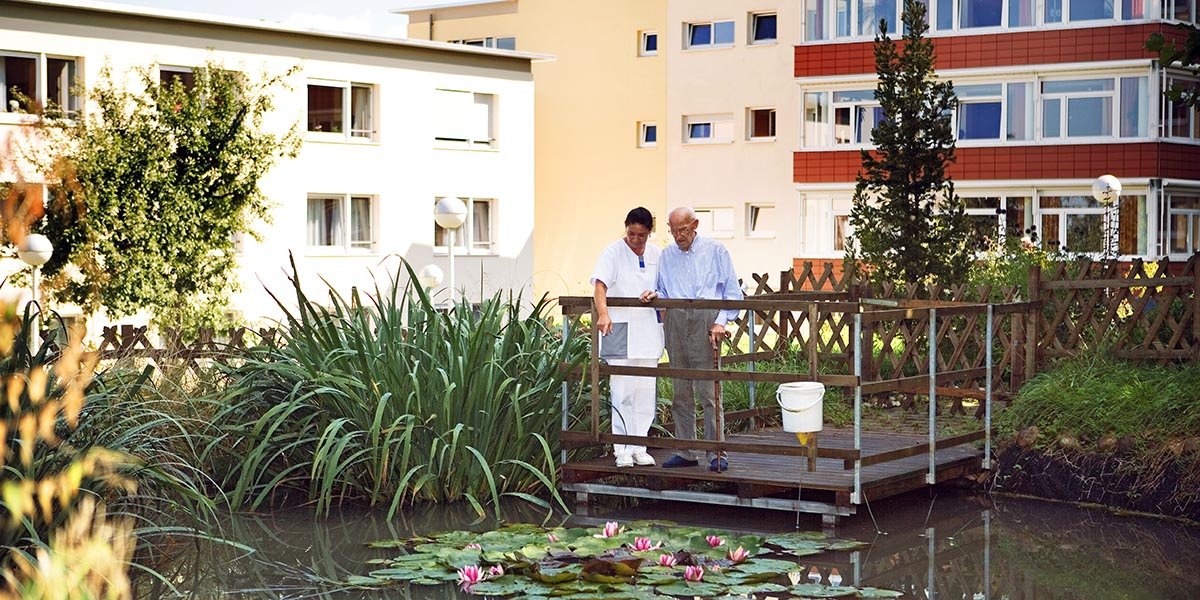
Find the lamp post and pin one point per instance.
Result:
(35, 251)
(430, 277)
(450, 214)
(1107, 190)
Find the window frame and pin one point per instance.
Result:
(707, 214)
(1168, 106)
(855, 127)
(465, 243)
(349, 245)
(41, 86)
(348, 133)
(711, 120)
(485, 145)
(753, 214)
(1064, 98)
(643, 46)
(1192, 216)
(773, 124)
(1064, 214)
(842, 215)
(712, 34)
(643, 129)
(752, 35)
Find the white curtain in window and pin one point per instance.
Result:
(360, 222)
(452, 111)
(481, 224)
(480, 118)
(360, 111)
(325, 222)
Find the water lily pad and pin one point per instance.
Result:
(816, 590)
(426, 582)
(360, 581)
(755, 588)
(509, 585)
(878, 593)
(691, 588)
(457, 559)
(772, 566)
(847, 545)
(404, 573)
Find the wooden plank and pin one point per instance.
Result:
(918, 449)
(723, 375)
(579, 439)
(765, 355)
(595, 371)
(1089, 284)
(901, 383)
(766, 303)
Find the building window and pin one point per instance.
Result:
(1183, 224)
(760, 220)
(855, 115)
(985, 218)
(979, 111)
(1078, 10)
(648, 44)
(341, 222)
(980, 13)
(760, 124)
(477, 233)
(500, 43)
(1077, 108)
(817, 129)
(708, 129)
(331, 106)
(168, 75)
(715, 222)
(870, 12)
(1182, 121)
(1178, 10)
(715, 34)
(43, 80)
(647, 135)
(1071, 224)
(464, 120)
(762, 28)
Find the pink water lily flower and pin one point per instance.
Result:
(643, 544)
(738, 556)
(714, 541)
(551, 537)
(694, 573)
(474, 547)
(471, 575)
(611, 529)
(666, 560)
(496, 571)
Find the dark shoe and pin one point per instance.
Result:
(723, 466)
(678, 461)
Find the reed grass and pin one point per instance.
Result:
(386, 399)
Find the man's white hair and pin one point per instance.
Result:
(684, 211)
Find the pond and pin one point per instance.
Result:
(944, 546)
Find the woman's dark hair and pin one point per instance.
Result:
(640, 216)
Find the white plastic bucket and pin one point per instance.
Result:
(801, 402)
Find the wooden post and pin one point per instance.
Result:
(1032, 341)
(785, 285)
(1016, 350)
(595, 368)
(851, 342)
(1195, 308)
(814, 331)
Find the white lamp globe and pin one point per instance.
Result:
(430, 276)
(450, 213)
(1106, 190)
(36, 250)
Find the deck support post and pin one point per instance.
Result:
(931, 477)
(583, 503)
(750, 385)
(856, 497)
(829, 524)
(566, 389)
(931, 551)
(987, 555)
(987, 406)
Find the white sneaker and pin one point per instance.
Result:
(643, 460)
(624, 460)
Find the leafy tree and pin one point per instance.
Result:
(1188, 56)
(908, 223)
(156, 181)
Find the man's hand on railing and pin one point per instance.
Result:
(648, 296)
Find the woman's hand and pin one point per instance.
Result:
(648, 296)
(603, 324)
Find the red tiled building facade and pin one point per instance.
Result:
(1052, 94)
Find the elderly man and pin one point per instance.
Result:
(694, 267)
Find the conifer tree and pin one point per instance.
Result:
(909, 226)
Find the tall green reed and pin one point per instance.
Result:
(384, 398)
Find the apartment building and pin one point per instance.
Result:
(600, 147)
(388, 127)
(1052, 94)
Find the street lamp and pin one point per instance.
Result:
(450, 214)
(430, 277)
(35, 251)
(1107, 190)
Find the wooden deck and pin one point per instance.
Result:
(779, 482)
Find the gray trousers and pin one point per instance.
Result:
(688, 347)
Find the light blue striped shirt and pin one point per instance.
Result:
(704, 272)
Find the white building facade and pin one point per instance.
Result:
(388, 127)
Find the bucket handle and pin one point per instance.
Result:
(779, 401)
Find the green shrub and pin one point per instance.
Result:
(387, 399)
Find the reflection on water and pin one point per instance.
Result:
(947, 547)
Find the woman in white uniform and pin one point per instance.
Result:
(626, 268)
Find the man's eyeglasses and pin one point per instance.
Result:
(681, 230)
